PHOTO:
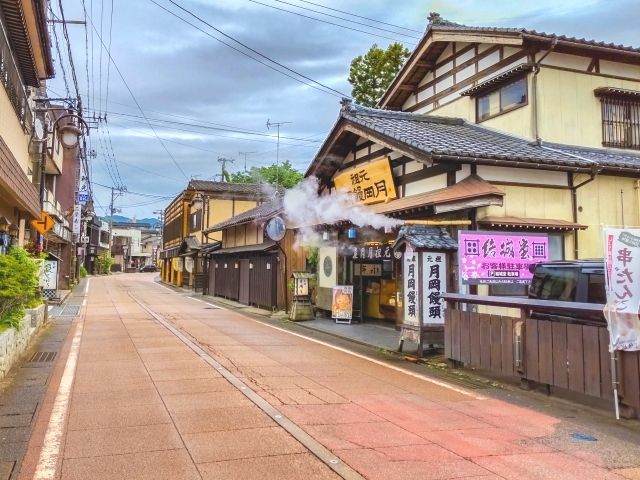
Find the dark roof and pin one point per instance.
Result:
(617, 92)
(423, 236)
(261, 247)
(261, 212)
(604, 157)
(521, 222)
(511, 74)
(251, 189)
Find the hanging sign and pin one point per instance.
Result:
(434, 272)
(342, 302)
(371, 183)
(188, 264)
(371, 252)
(622, 266)
(410, 300)
(500, 257)
(83, 197)
(77, 217)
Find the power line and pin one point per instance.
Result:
(66, 37)
(346, 19)
(59, 52)
(327, 22)
(106, 101)
(358, 16)
(325, 89)
(127, 192)
(135, 100)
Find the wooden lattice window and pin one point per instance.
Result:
(621, 121)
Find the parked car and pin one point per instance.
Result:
(570, 281)
(148, 268)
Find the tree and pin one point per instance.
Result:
(285, 175)
(372, 73)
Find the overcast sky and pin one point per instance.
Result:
(179, 74)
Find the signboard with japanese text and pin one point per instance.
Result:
(410, 300)
(622, 267)
(342, 302)
(434, 284)
(83, 197)
(500, 257)
(371, 252)
(371, 182)
(77, 217)
(49, 275)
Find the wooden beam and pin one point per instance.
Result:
(427, 173)
(477, 38)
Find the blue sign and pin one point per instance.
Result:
(83, 197)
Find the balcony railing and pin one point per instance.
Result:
(13, 84)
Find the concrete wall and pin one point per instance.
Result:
(14, 343)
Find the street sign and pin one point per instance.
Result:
(83, 197)
(44, 224)
(84, 239)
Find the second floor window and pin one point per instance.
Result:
(621, 122)
(502, 99)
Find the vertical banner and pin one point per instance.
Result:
(342, 303)
(49, 275)
(77, 217)
(434, 284)
(622, 267)
(410, 300)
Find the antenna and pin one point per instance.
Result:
(224, 161)
(277, 125)
(245, 158)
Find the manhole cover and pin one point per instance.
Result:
(39, 357)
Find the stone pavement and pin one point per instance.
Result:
(226, 396)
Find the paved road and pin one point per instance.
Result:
(153, 384)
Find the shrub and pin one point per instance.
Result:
(104, 263)
(18, 286)
(83, 271)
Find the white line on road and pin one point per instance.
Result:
(48, 461)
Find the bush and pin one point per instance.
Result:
(83, 271)
(104, 263)
(18, 286)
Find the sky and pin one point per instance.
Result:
(176, 99)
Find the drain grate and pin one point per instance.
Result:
(65, 311)
(40, 357)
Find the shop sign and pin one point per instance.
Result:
(188, 264)
(410, 301)
(434, 271)
(342, 302)
(49, 275)
(367, 269)
(500, 257)
(77, 217)
(622, 266)
(176, 263)
(371, 183)
(367, 252)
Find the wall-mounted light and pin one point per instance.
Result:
(251, 266)
(352, 233)
(268, 266)
(225, 265)
(325, 236)
(235, 265)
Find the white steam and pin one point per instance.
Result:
(304, 209)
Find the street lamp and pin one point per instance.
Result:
(69, 133)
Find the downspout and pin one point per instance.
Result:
(534, 88)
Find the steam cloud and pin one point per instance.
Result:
(304, 208)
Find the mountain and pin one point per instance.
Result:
(121, 219)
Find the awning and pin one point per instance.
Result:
(260, 248)
(530, 223)
(188, 244)
(499, 79)
(424, 237)
(472, 192)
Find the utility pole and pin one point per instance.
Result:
(245, 158)
(224, 162)
(161, 213)
(277, 125)
(112, 210)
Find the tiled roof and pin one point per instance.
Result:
(422, 236)
(261, 212)
(520, 222)
(253, 189)
(614, 91)
(604, 157)
(454, 137)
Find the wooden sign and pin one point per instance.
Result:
(44, 224)
(372, 182)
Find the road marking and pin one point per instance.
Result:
(315, 447)
(50, 453)
(359, 355)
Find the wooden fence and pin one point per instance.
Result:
(573, 356)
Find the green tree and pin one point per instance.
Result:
(285, 175)
(371, 73)
(18, 286)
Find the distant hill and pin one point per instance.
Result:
(121, 219)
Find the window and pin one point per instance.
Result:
(503, 99)
(620, 122)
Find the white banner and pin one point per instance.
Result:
(622, 266)
(49, 275)
(77, 217)
(410, 300)
(434, 284)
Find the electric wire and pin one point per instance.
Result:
(135, 100)
(106, 101)
(66, 37)
(318, 86)
(329, 23)
(59, 52)
(347, 20)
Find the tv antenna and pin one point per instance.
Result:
(245, 158)
(277, 125)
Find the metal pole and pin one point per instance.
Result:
(614, 381)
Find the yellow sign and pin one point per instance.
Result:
(43, 225)
(372, 182)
